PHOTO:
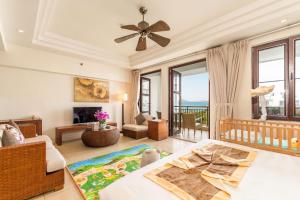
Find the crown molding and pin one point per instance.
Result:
(202, 36)
(58, 42)
(198, 38)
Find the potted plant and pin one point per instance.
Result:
(101, 116)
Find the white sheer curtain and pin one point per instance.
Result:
(134, 95)
(224, 65)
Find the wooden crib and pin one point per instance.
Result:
(278, 136)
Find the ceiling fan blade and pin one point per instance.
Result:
(158, 26)
(124, 38)
(141, 46)
(162, 41)
(131, 27)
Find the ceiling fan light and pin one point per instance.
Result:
(144, 30)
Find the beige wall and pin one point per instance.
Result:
(35, 82)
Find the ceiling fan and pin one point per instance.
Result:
(144, 30)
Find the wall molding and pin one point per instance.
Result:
(199, 38)
(55, 41)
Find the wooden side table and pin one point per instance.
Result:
(157, 129)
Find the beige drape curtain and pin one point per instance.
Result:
(224, 65)
(217, 75)
(134, 95)
(237, 53)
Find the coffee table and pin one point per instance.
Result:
(101, 138)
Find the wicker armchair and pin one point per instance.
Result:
(23, 171)
(189, 122)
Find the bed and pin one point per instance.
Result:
(272, 176)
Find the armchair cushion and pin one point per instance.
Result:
(135, 127)
(41, 138)
(55, 161)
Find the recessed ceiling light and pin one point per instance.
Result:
(20, 31)
(283, 21)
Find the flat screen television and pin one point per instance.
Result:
(84, 114)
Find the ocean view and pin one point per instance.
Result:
(194, 103)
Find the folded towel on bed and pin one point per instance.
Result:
(206, 173)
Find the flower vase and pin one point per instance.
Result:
(102, 125)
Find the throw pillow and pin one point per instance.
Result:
(14, 124)
(12, 136)
(140, 119)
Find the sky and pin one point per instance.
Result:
(195, 87)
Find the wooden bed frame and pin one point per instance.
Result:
(262, 134)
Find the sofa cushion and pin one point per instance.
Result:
(41, 138)
(55, 161)
(140, 119)
(134, 127)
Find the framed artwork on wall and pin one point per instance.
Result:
(90, 90)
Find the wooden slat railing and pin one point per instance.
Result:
(282, 137)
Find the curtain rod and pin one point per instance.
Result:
(204, 51)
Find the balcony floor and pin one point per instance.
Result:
(190, 136)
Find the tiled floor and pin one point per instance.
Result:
(190, 136)
(75, 151)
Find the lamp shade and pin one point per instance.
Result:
(125, 97)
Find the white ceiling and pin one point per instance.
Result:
(88, 28)
(98, 21)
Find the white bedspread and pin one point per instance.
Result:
(272, 176)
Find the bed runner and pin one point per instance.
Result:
(204, 174)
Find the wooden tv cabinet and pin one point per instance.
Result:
(59, 131)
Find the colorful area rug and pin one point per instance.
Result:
(94, 174)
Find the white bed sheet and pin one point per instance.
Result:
(272, 176)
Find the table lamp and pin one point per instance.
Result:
(261, 92)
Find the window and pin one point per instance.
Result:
(278, 63)
(145, 96)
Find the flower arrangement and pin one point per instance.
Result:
(101, 116)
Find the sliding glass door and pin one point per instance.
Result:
(175, 94)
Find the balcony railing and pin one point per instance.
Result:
(201, 112)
